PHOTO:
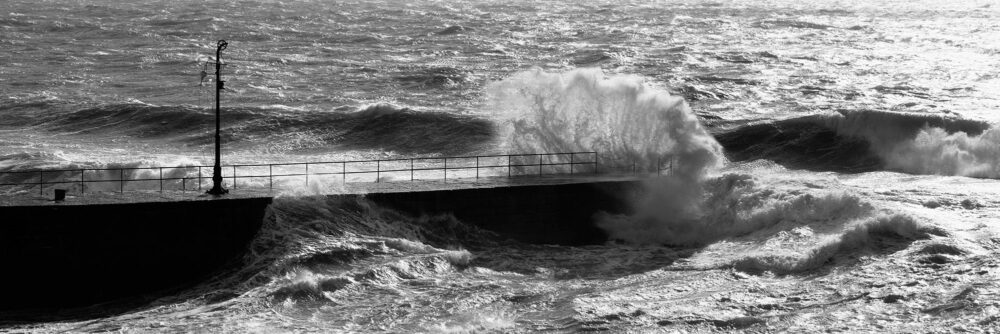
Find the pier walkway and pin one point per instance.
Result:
(358, 188)
(86, 186)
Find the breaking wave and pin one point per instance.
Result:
(741, 223)
(622, 117)
(318, 250)
(865, 140)
(727, 206)
(876, 235)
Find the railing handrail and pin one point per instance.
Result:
(297, 163)
(510, 165)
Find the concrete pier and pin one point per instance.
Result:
(541, 214)
(94, 248)
(74, 255)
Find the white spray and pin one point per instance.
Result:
(626, 121)
(620, 117)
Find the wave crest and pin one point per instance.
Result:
(926, 143)
(867, 140)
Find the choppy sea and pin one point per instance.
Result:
(835, 161)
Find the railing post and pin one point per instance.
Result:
(571, 156)
(660, 170)
(595, 163)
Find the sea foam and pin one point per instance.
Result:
(727, 206)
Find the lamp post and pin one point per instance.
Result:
(217, 170)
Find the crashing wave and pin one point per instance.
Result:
(622, 117)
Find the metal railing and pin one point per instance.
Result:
(186, 178)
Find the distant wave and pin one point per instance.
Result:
(800, 142)
(29, 161)
(405, 130)
(435, 77)
(925, 144)
(376, 127)
(779, 23)
(451, 30)
(134, 119)
(867, 140)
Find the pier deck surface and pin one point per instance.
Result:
(99, 198)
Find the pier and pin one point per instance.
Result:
(106, 239)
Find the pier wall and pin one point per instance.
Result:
(65, 255)
(70, 255)
(541, 214)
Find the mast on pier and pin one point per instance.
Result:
(217, 188)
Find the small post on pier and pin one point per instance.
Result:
(217, 169)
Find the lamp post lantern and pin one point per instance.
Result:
(217, 170)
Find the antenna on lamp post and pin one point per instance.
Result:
(217, 170)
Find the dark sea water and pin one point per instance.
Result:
(824, 151)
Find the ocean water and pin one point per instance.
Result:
(835, 162)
